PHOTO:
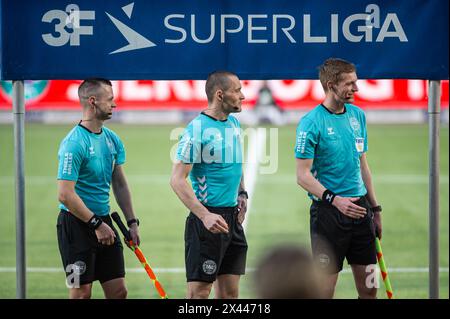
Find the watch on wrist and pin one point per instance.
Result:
(376, 209)
(243, 193)
(133, 221)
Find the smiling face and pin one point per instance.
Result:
(338, 79)
(344, 90)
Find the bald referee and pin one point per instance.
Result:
(210, 153)
(90, 162)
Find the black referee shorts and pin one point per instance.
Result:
(209, 255)
(84, 258)
(335, 237)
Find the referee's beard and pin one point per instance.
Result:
(103, 116)
(228, 108)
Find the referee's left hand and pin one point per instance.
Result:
(134, 233)
(242, 208)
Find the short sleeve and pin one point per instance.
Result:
(70, 157)
(189, 147)
(120, 156)
(307, 139)
(364, 129)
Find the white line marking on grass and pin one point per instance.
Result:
(256, 147)
(385, 179)
(56, 269)
(413, 270)
(146, 179)
(177, 270)
(149, 179)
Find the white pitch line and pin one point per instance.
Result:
(177, 270)
(413, 270)
(256, 147)
(385, 179)
(148, 179)
(60, 269)
(48, 180)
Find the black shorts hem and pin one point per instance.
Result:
(231, 273)
(200, 280)
(86, 282)
(362, 263)
(112, 277)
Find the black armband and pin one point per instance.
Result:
(243, 193)
(94, 222)
(328, 196)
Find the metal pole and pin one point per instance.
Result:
(19, 147)
(434, 109)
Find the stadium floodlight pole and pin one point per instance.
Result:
(434, 111)
(138, 252)
(19, 148)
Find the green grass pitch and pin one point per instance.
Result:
(398, 157)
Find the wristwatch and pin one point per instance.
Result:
(243, 193)
(133, 221)
(376, 209)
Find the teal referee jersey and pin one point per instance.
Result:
(88, 159)
(335, 142)
(214, 149)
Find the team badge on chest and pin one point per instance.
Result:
(359, 142)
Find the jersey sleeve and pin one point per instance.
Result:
(120, 156)
(307, 139)
(364, 129)
(70, 157)
(189, 147)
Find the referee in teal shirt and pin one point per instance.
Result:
(209, 152)
(90, 162)
(331, 160)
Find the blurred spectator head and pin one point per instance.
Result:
(287, 272)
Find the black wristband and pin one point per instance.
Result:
(243, 193)
(376, 209)
(328, 196)
(94, 222)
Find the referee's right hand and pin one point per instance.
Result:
(346, 206)
(105, 235)
(215, 223)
